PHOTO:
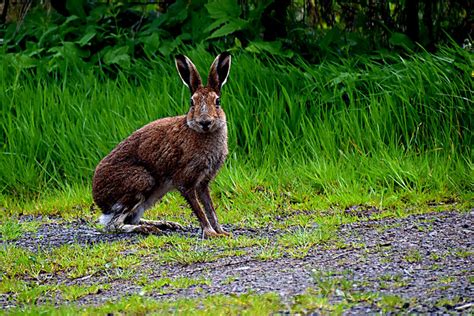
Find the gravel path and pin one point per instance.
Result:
(427, 260)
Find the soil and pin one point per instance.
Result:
(426, 260)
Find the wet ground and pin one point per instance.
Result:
(425, 260)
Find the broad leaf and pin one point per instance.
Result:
(229, 28)
(215, 24)
(274, 48)
(401, 40)
(223, 9)
(118, 56)
(86, 38)
(152, 43)
(76, 7)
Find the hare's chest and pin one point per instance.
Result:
(205, 164)
(209, 162)
(206, 157)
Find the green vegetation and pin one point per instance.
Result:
(217, 305)
(390, 303)
(327, 286)
(115, 35)
(12, 229)
(74, 260)
(168, 285)
(413, 256)
(380, 131)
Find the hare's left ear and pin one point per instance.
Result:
(188, 73)
(219, 72)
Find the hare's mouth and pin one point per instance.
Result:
(204, 128)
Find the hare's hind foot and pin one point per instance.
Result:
(163, 225)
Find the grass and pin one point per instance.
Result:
(301, 136)
(307, 142)
(74, 260)
(248, 304)
(12, 229)
(169, 285)
(413, 256)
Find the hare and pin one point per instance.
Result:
(183, 153)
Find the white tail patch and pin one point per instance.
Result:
(105, 219)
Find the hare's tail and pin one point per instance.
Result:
(116, 217)
(105, 219)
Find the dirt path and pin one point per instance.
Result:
(426, 261)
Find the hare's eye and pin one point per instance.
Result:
(218, 102)
(192, 102)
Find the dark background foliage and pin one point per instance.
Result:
(114, 35)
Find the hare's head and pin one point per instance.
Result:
(205, 113)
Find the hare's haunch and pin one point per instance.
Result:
(182, 153)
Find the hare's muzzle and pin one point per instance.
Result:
(205, 124)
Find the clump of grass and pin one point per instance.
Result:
(308, 303)
(188, 250)
(329, 285)
(463, 253)
(391, 303)
(299, 242)
(332, 293)
(269, 252)
(413, 256)
(186, 257)
(12, 229)
(79, 260)
(16, 261)
(449, 302)
(74, 292)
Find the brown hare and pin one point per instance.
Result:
(182, 153)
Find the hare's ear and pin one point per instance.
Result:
(219, 72)
(188, 73)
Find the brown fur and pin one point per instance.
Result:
(183, 153)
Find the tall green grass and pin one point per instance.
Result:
(355, 126)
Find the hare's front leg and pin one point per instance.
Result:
(205, 198)
(191, 198)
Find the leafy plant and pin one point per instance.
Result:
(113, 36)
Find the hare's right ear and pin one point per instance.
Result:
(219, 72)
(188, 73)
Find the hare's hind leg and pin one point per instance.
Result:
(156, 196)
(123, 220)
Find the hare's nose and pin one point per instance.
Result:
(205, 124)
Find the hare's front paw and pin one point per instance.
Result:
(223, 233)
